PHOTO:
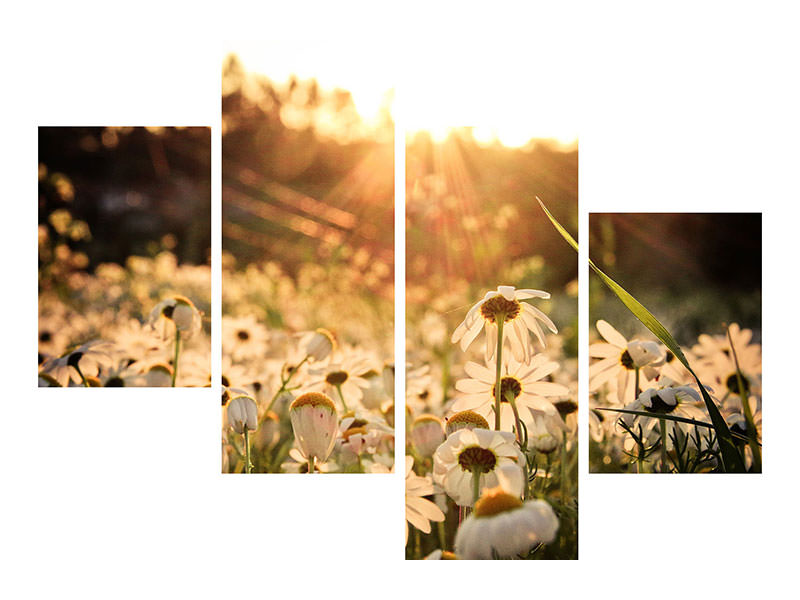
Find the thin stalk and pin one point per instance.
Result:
(663, 426)
(442, 536)
(500, 318)
(513, 403)
(636, 391)
(248, 467)
(311, 464)
(83, 377)
(285, 381)
(752, 432)
(564, 485)
(341, 396)
(177, 352)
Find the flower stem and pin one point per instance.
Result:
(500, 318)
(341, 396)
(513, 403)
(311, 464)
(636, 391)
(83, 377)
(476, 484)
(248, 467)
(285, 382)
(564, 483)
(663, 426)
(177, 351)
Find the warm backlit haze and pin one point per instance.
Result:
(519, 97)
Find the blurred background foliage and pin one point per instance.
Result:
(307, 195)
(108, 193)
(694, 271)
(473, 223)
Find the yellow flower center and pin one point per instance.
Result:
(499, 306)
(313, 399)
(495, 501)
(468, 417)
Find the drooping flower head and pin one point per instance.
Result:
(175, 312)
(242, 413)
(315, 424)
(518, 318)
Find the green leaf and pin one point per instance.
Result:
(732, 460)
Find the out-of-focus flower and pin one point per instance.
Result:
(315, 424)
(504, 526)
(176, 312)
(518, 317)
(242, 413)
(86, 359)
(345, 377)
(318, 345)
(469, 451)
(419, 511)
(427, 432)
(244, 338)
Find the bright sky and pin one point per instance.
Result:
(511, 92)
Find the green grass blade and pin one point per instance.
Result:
(732, 460)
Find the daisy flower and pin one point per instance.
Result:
(525, 382)
(619, 361)
(84, 361)
(244, 338)
(667, 398)
(174, 313)
(345, 377)
(470, 453)
(419, 511)
(315, 425)
(518, 319)
(504, 526)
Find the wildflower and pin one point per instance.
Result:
(84, 361)
(243, 337)
(620, 359)
(466, 419)
(346, 377)
(504, 307)
(419, 511)
(468, 459)
(318, 344)
(315, 423)
(242, 413)
(522, 383)
(504, 526)
(176, 313)
(427, 432)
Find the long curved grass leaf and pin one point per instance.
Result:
(731, 459)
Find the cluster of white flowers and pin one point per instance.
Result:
(117, 326)
(486, 454)
(644, 376)
(299, 400)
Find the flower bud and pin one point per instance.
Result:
(315, 424)
(243, 414)
(427, 434)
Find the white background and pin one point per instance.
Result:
(117, 493)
